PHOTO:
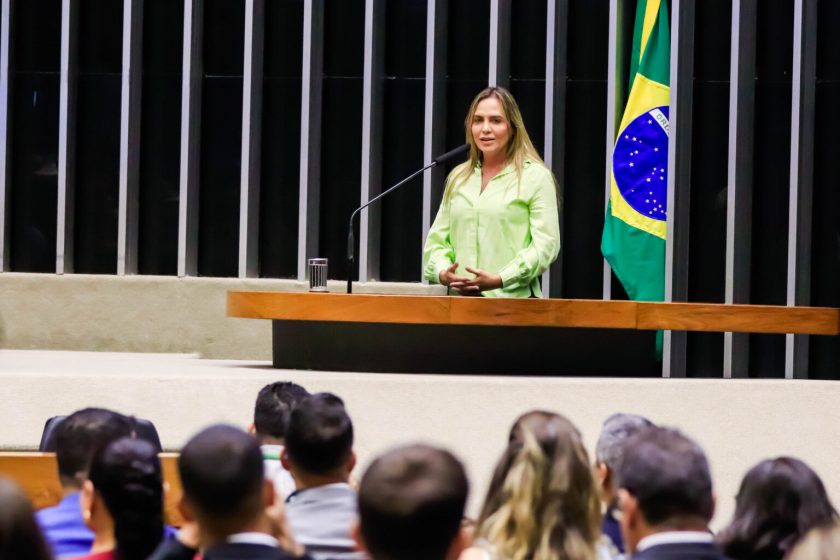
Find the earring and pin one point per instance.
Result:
(86, 515)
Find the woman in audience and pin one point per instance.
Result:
(779, 501)
(20, 536)
(543, 502)
(122, 501)
(822, 543)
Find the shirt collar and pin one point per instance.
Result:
(317, 490)
(272, 451)
(253, 538)
(674, 537)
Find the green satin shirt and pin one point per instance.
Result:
(510, 230)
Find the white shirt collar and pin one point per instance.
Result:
(253, 538)
(674, 537)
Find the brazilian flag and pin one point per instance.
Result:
(634, 228)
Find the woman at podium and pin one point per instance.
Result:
(497, 229)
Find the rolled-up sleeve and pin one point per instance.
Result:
(544, 226)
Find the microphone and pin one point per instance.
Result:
(350, 239)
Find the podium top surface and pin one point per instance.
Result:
(454, 310)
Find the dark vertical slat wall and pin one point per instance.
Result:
(221, 137)
(341, 132)
(585, 145)
(467, 68)
(98, 136)
(768, 284)
(279, 188)
(402, 142)
(527, 65)
(34, 114)
(825, 263)
(160, 136)
(34, 70)
(707, 263)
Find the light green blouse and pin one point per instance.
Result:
(510, 230)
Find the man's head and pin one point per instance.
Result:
(272, 409)
(411, 501)
(608, 452)
(80, 435)
(221, 471)
(664, 485)
(319, 441)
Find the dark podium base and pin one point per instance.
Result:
(467, 349)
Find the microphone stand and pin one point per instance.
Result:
(351, 242)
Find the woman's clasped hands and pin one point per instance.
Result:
(481, 282)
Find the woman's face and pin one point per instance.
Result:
(490, 128)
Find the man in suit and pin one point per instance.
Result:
(227, 502)
(665, 497)
(319, 454)
(608, 452)
(77, 438)
(411, 503)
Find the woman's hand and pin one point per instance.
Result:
(483, 281)
(449, 278)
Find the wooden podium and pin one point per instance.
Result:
(439, 334)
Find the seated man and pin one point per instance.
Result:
(227, 502)
(411, 502)
(271, 416)
(665, 497)
(319, 454)
(608, 452)
(77, 438)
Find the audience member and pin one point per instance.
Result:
(779, 501)
(821, 543)
(319, 454)
(665, 497)
(122, 501)
(20, 537)
(77, 438)
(271, 416)
(608, 452)
(227, 502)
(411, 502)
(543, 498)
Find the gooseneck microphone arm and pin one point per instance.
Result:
(351, 242)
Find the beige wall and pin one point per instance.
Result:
(143, 313)
(738, 422)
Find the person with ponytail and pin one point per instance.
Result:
(543, 501)
(122, 501)
(499, 219)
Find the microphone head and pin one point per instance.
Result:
(452, 154)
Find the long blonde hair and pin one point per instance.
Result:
(519, 147)
(543, 502)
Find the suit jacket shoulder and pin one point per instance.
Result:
(173, 549)
(248, 551)
(681, 551)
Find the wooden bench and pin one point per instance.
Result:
(37, 474)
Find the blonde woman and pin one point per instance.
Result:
(822, 543)
(543, 501)
(498, 221)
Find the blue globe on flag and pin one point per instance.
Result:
(640, 163)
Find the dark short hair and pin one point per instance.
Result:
(126, 473)
(81, 434)
(20, 536)
(319, 438)
(221, 471)
(669, 476)
(778, 502)
(274, 403)
(411, 501)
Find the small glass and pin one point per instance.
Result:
(317, 269)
